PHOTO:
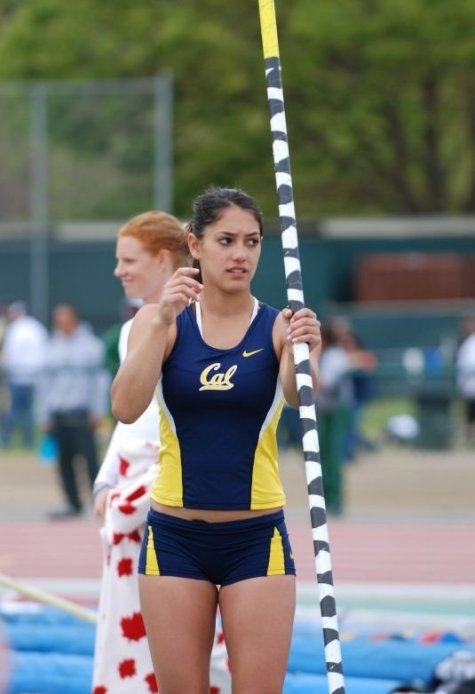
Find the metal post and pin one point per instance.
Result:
(39, 204)
(163, 142)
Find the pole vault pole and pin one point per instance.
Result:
(295, 298)
(49, 599)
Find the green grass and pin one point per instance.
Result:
(378, 412)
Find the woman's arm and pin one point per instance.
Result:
(108, 471)
(151, 339)
(290, 329)
(134, 385)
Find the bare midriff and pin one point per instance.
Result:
(211, 515)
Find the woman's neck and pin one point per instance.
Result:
(224, 327)
(226, 305)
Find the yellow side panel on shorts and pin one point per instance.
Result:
(267, 490)
(151, 563)
(276, 557)
(168, 487)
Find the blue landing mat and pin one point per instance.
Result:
(47, 647)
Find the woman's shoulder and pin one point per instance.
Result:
(145, 311)
(269, 311)
(125, 328)
(123, 338)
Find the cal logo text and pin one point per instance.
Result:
(217, 381)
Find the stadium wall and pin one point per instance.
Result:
(81, 272)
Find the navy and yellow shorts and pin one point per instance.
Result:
(221, 553)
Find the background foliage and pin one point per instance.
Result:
(380, 94)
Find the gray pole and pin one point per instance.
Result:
(163, 142)
(39, 204)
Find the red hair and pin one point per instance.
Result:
(158, 231)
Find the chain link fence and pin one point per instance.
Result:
(75, 151)
(76, 156)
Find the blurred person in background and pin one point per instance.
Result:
(333, 406)
(150, 247)
(73, 400)
(23, 354)
(3, 323)
(4, 399)
(111, 337)
(363, 363)
(465, 376)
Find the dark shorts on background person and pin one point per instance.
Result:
(221, 553)
(470, 411)
(72, 418)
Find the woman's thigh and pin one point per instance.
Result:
(257, 616)
(180, 619)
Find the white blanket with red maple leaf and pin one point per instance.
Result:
(122, 661)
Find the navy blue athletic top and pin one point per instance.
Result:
(219, 410)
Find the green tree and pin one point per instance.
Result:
(379, 94)
(391, 88)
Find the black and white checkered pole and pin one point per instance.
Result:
(307, 413)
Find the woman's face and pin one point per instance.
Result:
(229, 249)
(65, 320)
(141, 274)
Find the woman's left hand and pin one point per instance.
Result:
(303, 326)
(100, 502)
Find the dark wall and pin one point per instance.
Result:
(82, 273)
(329, 268)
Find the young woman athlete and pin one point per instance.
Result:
(222, 364)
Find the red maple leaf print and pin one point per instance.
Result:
(152, 683)
(137, 493)
(127, 668)
(135, 536)
(117, 538)
(125, 567)
(133, 627)
(214, 690)
(100, 690)
(127, 509)
(123, 466)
